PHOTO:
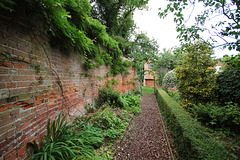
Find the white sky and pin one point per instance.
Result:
(163, 30)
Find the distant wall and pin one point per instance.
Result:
(38, 82)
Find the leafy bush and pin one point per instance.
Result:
(170, 79)
(110, 96)
(196, 81)
(160, 74)
(115, 99)
(221, 116)
(232, 110)
(59, 143)
(228, 83)
(90, 108)
(174, 93)
(191, 138)
(131, 103)
(210, 114)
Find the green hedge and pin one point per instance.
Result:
(191, 139)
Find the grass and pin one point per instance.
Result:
(147, 90)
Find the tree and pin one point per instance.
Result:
(196, 81)
(227, 28)
(168, 58)
(116, 14)
(143, 50)
(166, 61)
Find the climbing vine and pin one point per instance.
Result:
(69, 24)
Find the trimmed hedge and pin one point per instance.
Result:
(191, 139)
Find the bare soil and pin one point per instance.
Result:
(145, 138)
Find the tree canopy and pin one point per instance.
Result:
(227, 26)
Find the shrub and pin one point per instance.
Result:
(174, 93)
(196, 81)
(232, 110)
(59, 143)
(131, 103)
(210, 114)
(110, 96)
(221, 116)
(191, 139)
(160, 74)
(228, 83)
(170, 79)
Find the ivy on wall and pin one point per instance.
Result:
(69, 24)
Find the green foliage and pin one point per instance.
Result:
(90, 108)
(131, 103)
(174, 93)
(105, 126)
(210, 114)
(59, 143)
(196, 81)
(114, 99)
(70, 25)
(226, 26)
(160, 75)
(191, 138)
(223, 116)
(233, 61)
(143, 50)
(170, 79)
(168, 58)
(228, 82)
(117, 15)
(232, 110)
(109, 96)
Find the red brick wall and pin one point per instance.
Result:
(33, 77)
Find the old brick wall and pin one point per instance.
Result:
(38, 82)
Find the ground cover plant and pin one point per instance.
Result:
(95, 135)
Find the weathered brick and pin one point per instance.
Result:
(6, 121)
(26, 72)
(7, 134)
(27, 117)
(5, 48)
(7, 127)
(11, 154)
(4, 70)
(11, 85)
(20, 78)
(4, 114)
(2, 85)
(17, 91)
(5, 107)
(21, 65)
(22, 55)
(22, 151)
(23, 125)
(5, 78)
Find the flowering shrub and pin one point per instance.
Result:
(170, 79)
(174, 93)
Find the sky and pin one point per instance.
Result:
(163, 30)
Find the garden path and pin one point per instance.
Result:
(145, 138)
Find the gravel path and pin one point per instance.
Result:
(145, 138)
